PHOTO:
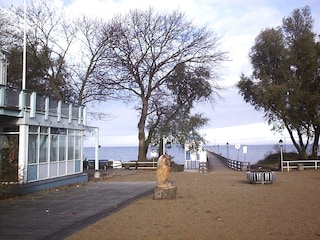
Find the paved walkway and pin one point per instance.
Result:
(216, 162)
(57, 214)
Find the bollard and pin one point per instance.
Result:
(300, 167)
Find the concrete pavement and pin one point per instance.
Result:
(56, 214)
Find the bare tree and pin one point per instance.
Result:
(145, 49)
(64, 55)
(90, 61)
(49, 37)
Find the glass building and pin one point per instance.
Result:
(41, 139)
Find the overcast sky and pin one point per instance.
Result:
(238, 22)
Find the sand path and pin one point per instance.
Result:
(220, 204)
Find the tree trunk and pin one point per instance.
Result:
(299, 146)
(161, 146)
(142, 151)
(315, 143)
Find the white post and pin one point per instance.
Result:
(2, 96)
(70, 113)
(84, 115)
(22, 101)
(3, 69)
(47, 108)
(281, 159)
(227, 150)
(79, 114)
(33, 104)
(23, 154)
(186, 147)
(164, 142)
(96, 161)
(59, 111)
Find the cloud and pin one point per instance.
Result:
(256, 133)
(230, 111)
(109, 140)
(121, 119)
(238, 23)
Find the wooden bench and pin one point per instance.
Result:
(139, 165)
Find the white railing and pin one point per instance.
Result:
(191, 164)
(16, 100)
(238, 165)
(305, 164)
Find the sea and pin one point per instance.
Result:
(246, 153)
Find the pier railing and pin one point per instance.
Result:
(238, 165)
(234, 164)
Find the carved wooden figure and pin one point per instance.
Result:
(163, 171)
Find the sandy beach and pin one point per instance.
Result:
(217, 205)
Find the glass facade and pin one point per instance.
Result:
(50, 148)
(38, 130)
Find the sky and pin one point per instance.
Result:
(237, 22)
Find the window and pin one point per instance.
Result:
(62, 146)
(54, 148)
(33, 129)
(32, 148)
(71, 145)
(43, 153)
(62, 142)
(77, 147)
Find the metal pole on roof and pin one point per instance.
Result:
(24, 64)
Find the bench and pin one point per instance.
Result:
(139, 165)
(90, 163)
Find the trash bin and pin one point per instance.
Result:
(300, 167)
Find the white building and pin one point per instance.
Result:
(195, 157)
(41, 139)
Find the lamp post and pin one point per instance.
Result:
(281, 155)
(227, 150)
(153, 155)
(237, 146)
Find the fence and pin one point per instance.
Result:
(238, 165)
(14, 99)
(300, 164)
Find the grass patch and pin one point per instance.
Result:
(272, 161)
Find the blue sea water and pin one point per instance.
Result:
(248, 153)
(130, 153)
